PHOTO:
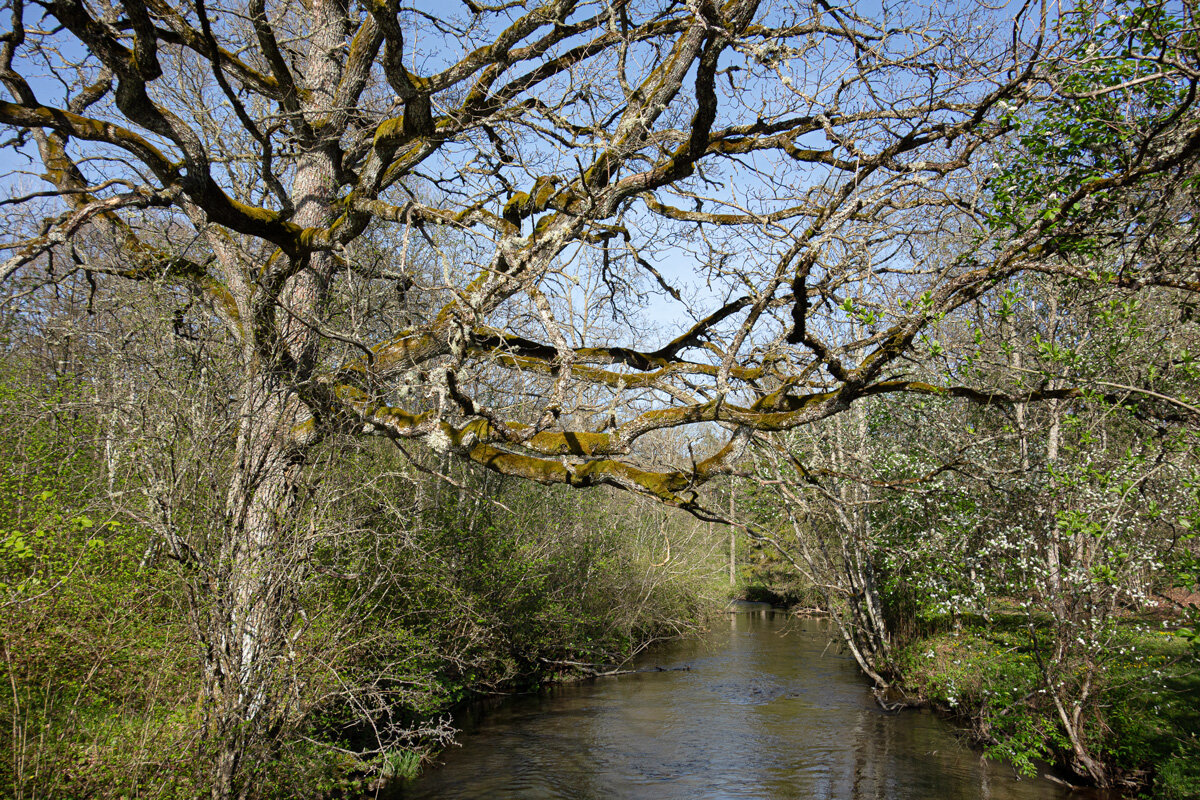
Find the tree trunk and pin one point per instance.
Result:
(732, 538)
(262, 561)
(1054, 547)
(1085, 763)
(866, 631)
(264, 553)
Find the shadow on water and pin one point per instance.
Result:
(766, 710)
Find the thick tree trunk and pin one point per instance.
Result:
(264, 554)
(262, 561)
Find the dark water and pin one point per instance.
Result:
(765, 711)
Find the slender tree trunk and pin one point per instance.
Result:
(1071, 719)
(1054, 547)
(732, 539)
(864, 626)
(1020, 410)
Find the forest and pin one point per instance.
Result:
(359, 359)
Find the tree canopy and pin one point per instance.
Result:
(513, 176)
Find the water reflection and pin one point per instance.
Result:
(765, 711)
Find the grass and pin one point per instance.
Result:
(1144, 722)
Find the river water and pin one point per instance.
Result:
(766, 709)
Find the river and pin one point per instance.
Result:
(766, 709)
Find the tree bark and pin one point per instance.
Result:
(264, 557)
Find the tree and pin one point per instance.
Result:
(411, 223)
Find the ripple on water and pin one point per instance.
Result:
(766, 711)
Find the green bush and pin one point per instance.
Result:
(1148, 726)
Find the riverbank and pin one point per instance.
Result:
(432, 592)
(1143, 720)
(1139, 711)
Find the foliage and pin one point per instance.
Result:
(97, 677)
(1069, 515)
(988, 675)
(466, 590)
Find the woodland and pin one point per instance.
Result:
(359, 358)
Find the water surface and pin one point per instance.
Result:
(766, 710)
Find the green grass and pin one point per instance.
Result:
(1145, 722)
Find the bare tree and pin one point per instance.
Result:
(782, 177)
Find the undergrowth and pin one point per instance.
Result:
(1145, 723)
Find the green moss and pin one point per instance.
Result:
(579, 443)
(389, 132)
